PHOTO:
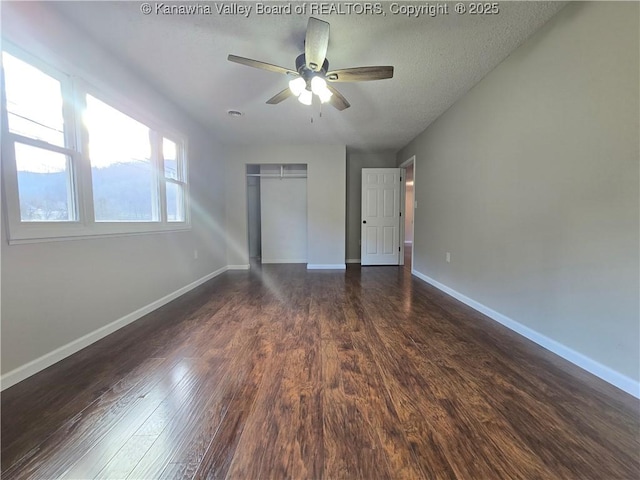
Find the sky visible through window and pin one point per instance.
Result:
(114, 137)
(34, 110)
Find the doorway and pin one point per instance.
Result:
(409, 204)
(254, 217)
(381, 226)
(277, 213)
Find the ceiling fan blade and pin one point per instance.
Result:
(360, 74)
(316, 43)
(337, 100)
(279, 97)
(262, 65)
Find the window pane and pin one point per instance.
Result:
(124, 185)
(34, 101)
(44, 185)
(175, 202)
(170, 154)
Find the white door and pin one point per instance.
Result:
(380, 216)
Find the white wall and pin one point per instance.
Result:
(326, 194)
(531, 182)
(53, 293)
(356, 161)
(283, 203)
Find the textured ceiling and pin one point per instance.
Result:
(436, 59)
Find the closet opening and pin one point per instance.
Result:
(277, 213)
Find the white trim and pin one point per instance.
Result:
(239, 267)
(34, 366)
(409, 161)
(408, 242)
(326, 266)
(607, 374)
(82, 236)
(283, 260)
(353, 260)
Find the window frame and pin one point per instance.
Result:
(182, 174)
(74, 91)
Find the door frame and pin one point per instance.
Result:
(403, 202)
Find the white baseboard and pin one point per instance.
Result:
(353, 260)
(326, 266)
(238, 267)
(607, 374)
(283, 260)
(34, 366)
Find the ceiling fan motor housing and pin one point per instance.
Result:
(306, 73)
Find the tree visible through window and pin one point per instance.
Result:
(43, 184)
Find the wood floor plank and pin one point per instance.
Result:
(287, 411)
(222, 447)
(475, 377)
(123, 462)
(493, 436)
(67, 444)
(194, 404)
(352, 447)
(451, 414)
(280, 372)
(182, 379)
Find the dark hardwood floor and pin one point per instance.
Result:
(284, 373)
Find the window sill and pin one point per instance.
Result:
(28, 234)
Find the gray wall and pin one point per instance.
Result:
(326, 194)
(531, 182)
(55, 292)
(355, 163)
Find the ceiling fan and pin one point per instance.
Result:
(312, 71)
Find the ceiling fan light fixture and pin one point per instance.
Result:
(318, 85)
(325, 95)
(297, 86)
(306, 97)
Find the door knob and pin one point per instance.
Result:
(364, 221)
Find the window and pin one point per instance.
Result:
(175, 185)
(44, 184)
(34, 102)
(122, 172)
(44, 164)
(76, 165)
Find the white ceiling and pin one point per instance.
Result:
(436, 61)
